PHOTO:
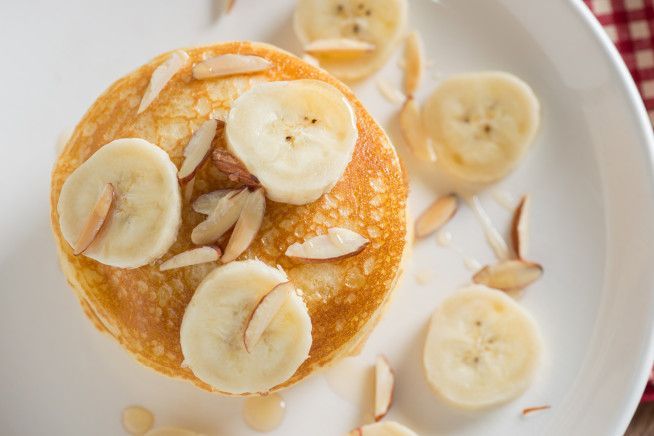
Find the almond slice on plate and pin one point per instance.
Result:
(384, 428)
(161, 76)
(229, 4)
(339, 47)
(413, 63)
(526, 411)
(197, 150)
(436, 215)
(384, 384)
(230, 64)
(390, 93)
(509, 275)
(414, 133)
(221, 219)
(337, 244)
(264, 312)
(233, 168)
(247, 226)
(96, 219)
(520, 227)
(206, 203)
(190, 257)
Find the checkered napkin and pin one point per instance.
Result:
(630, 24)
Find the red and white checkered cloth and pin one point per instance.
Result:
(630, 24)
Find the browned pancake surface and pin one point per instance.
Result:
(143, 308)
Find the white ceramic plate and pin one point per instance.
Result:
(589, 172)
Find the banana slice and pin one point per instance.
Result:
(213, 328)
(377, 23)
(296, 137)
(146, 211)
(482, 348)
(481, 124)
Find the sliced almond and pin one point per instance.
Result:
(338, 243)
(247, 226)
(528, 410)
(96, 219)
(520, 227)
(342, 47)
(436, 215)
(229, 4)
(197, 150)
(509, 275)
(390, 93)
(264, 312)
(414, 133)
(233, 168)
(230, 64)
(221, 219)
(384, 384)
(206, 203)
(189, 188)
(190, 257)
(414, 63)
(161, 76)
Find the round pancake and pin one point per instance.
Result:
(142, 308)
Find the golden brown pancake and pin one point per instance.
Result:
(142, 308)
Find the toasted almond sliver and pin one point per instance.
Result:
(204, 134)
(190, 257)
(233, 168)
(392, 94)
(198, 150)
(221, 219)
(414, 133)
(338, 46)
(189, 188)
(414, 63)
(206, 203)
(247, 226)
(339, 243)
(509, 275)
(384, 385)
(264, 312)
(528, 410)
(96, 219)
(161, 76)
(436, 215)
(230, 64)
(520, 227)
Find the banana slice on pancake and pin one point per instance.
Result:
(145, 215)
(482, 348)
(481, 124)
(375, 24)
(217, 318)
(297, 137)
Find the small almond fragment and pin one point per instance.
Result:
(189, 188)
(264, 312)
(509, 275)
(414, 63)
(247, 226)
(233, 168)
(383, 428)
(190, 257)
(221, 219)
(206, 203)
(384, 384)
(436, 215)
(390, 93)
(96, 219)
(414, 133)
(520, 227)
(161, 76)
(528, 410)
(230, 64)
(341, 47)
(197, 150)
(229, 4)
(337, 244)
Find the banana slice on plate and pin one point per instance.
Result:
(481, 124)
(482, 348)
(377, 23)
(146, 212)
(296, 137)
(214, 325)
